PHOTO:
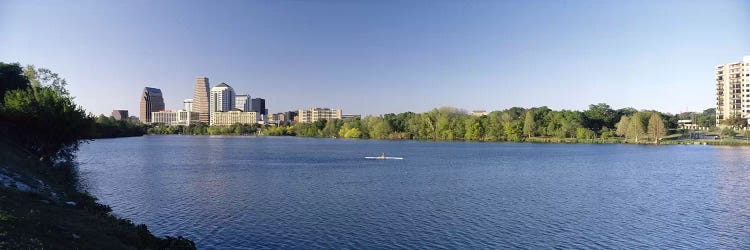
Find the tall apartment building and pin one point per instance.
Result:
(243, 102)
(221, 99)
(120, 114)
(151, 101)
(187, 105)
(233, 117)
(317, 114)
(200, 99)
(733, 89)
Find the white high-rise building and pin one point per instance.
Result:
(243, 102)
(187, 105)
(733, 90)
(221, 98)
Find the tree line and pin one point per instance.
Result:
(598, 122)
(201, 128)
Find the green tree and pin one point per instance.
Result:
(622, 126)
(46, 123)
(45, 77)
(728, 133)
(585, 134)
(474, 129)
(656, 127)
(427, 128)
(635, 127)
(735, 121)
(513, 130)
(606, 133)
(332, 127)
(11, 78)
(706, 119)
(494, 129)
(598, 116)
(529, 125)
(353, 133)
(380, 129)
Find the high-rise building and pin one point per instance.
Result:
(259, 106)
(120, 114)
(317, 114)
(187, 105)
(221, 98)
(151, 101)
(243, 102)
(200, 99)
(233, 117)
(733, 90)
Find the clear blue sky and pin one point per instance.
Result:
(384, 56)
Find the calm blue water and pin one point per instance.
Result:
(283, 192)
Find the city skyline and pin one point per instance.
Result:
(374, 58)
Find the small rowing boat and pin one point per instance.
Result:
(383, 157)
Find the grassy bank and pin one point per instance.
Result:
(717, 142)
(41, 208)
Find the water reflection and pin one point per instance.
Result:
(733, 195)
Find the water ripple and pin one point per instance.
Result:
(271, 193)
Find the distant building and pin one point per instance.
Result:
(291, 116)
(233, 117)
(185, 118)
(200, 99)
(221, 99)
(174, 118)
(281, 118)
(479, 112)
(243, 102)
(166, 117)
(151, 101)
(259, 106)
(275, 118)
(732, 87)
(187, 105)
(344, 117)
(686, 124)
(317, 114)
(120, 114)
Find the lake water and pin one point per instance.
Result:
(285, 192)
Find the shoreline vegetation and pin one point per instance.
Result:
(599, 124)
(42, 203)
